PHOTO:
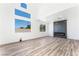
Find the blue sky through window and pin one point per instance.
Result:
(21, 23)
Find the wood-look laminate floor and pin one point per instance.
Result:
(46, 46)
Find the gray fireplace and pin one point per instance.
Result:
(60, 29)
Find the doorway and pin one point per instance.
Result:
(60, 29)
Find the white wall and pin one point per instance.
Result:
(73, 22)
(50, 29)
(72, 16)
(7, 24)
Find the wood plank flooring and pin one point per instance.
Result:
(46, 46)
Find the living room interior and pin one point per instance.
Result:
(38, 29)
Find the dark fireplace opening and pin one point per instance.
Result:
(60, 29)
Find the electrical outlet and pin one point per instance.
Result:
(20, 40)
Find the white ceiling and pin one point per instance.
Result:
(50, 9)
